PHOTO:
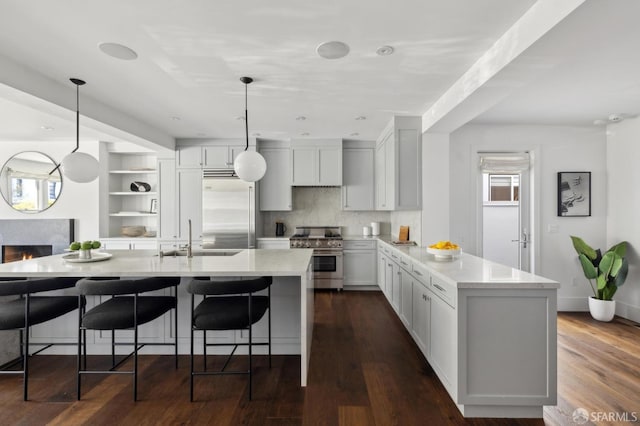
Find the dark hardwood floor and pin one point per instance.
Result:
(365, 370)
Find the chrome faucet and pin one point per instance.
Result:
(190, 243)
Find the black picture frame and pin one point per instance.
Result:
(154, 206)
(574, 194)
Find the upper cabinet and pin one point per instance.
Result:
(358, 175)
(275, 186)
(208, 154)
(398, 170)
(316, 162)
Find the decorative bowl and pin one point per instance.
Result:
(444, 254)
(132, 231)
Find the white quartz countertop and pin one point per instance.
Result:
(468, 271)
(140, 263)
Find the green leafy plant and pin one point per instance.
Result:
(609, 270)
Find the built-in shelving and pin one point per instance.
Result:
(119, 205)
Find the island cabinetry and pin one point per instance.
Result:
(358, 176)
(487, 330)
(421, 316)
(316, 162)
(359, 257)
(275, 187)
(398, 165)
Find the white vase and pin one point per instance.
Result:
(602, 310)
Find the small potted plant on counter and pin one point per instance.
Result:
(609, 270)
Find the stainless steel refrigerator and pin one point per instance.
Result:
(228, 213)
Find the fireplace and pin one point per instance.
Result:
(34, 237)
(12, 253)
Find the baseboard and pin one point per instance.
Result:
(627, 311)
(573, 304)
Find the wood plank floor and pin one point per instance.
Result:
(365, 370)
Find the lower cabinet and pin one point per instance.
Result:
(129, 244)
(406, 298)
(443, 334)
(382, 269)
(421, 316)
(359, 263)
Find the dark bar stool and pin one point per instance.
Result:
(27, 310)
(228, 305)
(125, 310)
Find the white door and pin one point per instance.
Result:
(504, 210)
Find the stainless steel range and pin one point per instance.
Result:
(326, 242)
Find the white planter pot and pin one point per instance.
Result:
(602, 310)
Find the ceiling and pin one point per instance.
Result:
(185, 81)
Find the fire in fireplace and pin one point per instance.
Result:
(22, 252)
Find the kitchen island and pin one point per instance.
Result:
(290, 268)
(487, 330)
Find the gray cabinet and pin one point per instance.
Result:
(196, 154)
(406, 298)
(189, 198)
(359, 258)
(443, 333)
(275, 186)
(358, 178)
(316, 162)
(421, 315)
(398, 165)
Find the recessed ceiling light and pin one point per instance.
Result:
(384, 50)
(118, 51)
(301, 118)
(305, 134)
(360, 118)
(47, 128)
(332, 50)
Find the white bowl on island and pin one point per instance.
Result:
(444, 254)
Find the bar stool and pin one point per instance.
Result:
(125, 310)
(28, 310)
(228, 305)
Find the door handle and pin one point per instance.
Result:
(523, 241)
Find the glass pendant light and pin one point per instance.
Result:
(250, 166)
(78, 166)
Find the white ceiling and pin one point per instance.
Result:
(191, 55)
(586, 68)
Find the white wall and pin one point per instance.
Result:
(435, 187)
(623, 205)
(554, 148)
(77, 201)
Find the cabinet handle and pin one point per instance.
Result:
(228, 163)
(390, 265)
(439, 288)
(417, 273)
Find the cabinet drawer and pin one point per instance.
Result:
(386, 250)
(404, 263)
(420, 272)
(359, 244)
(443, 290)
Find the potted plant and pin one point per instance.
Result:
(609, 270)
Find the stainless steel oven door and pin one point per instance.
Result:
(327, 268)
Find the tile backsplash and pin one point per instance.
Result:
(316, 206)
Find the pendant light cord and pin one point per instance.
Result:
(246, 117)
(78, 83)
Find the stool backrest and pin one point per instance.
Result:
(216, 288)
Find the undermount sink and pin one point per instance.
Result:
(183, 253)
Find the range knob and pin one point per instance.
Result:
(317, 243)
(307, 244)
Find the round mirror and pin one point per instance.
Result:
(26, 184)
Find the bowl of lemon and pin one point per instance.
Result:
(444, 250)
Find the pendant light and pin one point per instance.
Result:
(250, 166)
(78, 166)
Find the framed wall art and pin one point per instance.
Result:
(574, 194)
